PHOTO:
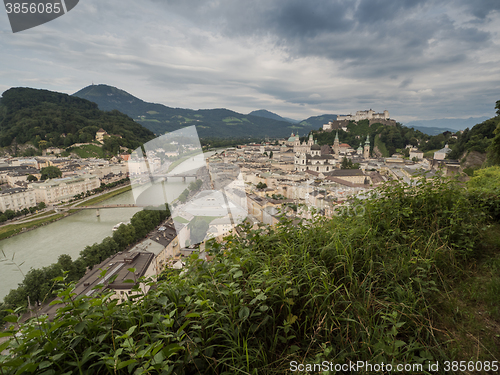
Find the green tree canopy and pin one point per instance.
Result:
(50, 172)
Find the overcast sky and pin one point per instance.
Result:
(419, 59)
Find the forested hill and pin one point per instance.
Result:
(46, 118)
(221, 122)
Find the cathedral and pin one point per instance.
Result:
(310, 156)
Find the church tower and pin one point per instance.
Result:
(336, 144)
(366, 152)
(311, 140)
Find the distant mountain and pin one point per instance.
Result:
(219, 123)
(450, 124)
(47, 118)
(267, 114)
(432, 130)
(317, 122)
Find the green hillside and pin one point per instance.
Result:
(317, 122)
(271, 115)
(220, 123)
(391, 137)
(479, 138)
(46, 118)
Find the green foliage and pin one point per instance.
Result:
(50, 172)
(195, 185)
(479, 138)
(86, 151)
(38, 283)
(354, 288)
(183, 196)
(261, 185)
(494, 147)
(484, 188)
(347, 164)
(31, 178)
(45, 118)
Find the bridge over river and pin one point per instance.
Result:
(99, 207)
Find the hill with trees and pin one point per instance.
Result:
(220, 122)
(317, 122)
(45, 119)
(388, 139)
(271, 115)
(483, 138)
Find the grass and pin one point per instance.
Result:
(180, 220)
(104, 196)
(470, 311)
(149, 120)
(39, 215)
(88, 151)
(430, 153)
(231, 119)
(412, 280)
(11, 229)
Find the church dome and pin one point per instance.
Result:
(316, 147)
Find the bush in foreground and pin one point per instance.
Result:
(347, 289)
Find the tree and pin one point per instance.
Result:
(9, 214)
(43, 144)
(346, 163)
(494, 147)
(271, 155)
(31, 178)
(261, 185)
(41, 205)
(50, 172)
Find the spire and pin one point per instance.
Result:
(367, 142)
(311, 136)
(337, 136)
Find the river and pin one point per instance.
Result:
(42, 246)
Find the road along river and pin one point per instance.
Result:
(42, 246)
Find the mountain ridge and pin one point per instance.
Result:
(272, 115)
(159, 118)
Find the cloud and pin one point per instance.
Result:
(294, 57)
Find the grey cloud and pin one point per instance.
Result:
(370, 11)
(481, 8)
(369, 38)
(405, 83)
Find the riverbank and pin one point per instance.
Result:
(11, 230)
(104, 196)
(27, 224)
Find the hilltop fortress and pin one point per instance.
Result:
(370, 115)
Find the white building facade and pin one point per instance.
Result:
(62, 189)
(17, 199)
